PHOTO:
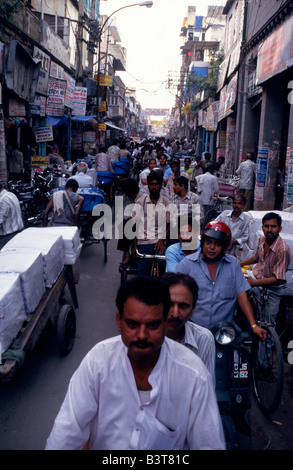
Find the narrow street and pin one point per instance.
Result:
(31, 401)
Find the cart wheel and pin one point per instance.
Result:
(66, 328)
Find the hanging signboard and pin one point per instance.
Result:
(70, 89)
(79, 104)
(56, 97)
(39, 164)
(44, 134)
(106, 80)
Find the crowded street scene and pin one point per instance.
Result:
(146, 228)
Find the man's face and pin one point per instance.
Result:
(175, 168)
(154, 188)
(238, 205)
(180, 311)
(212, 249)
(271, 230)
(177, 188)
(142, 329)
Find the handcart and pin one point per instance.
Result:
(92, 198)
(54, 310)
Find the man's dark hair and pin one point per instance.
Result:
(130, 185)
(155, 175)
(186, 280)
(175, 161)
(270, 216)
(73, 184)
(149, 290)
(243, 198)
(182, 181)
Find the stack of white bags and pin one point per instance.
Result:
(31, 262)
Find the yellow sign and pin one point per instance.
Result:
(102, 127)
(106, 80)
(103, 107)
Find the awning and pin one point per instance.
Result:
(82, 118)
(114, 127)
(56, 121)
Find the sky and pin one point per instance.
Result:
(152, 39)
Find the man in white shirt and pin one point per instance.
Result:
(246, 172)
(114, 151)
(152, 163)
(183, 292)
(140, 390)
(10, 216)
(209, 187)
(84, 180)
(238, 221)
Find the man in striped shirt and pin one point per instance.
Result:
(10, 216)
(271, 262)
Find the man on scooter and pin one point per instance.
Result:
(221, 283)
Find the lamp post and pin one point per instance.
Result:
(147, 4)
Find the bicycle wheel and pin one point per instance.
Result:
(267, 370)
(210, 215)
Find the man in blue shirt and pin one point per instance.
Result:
(187, 244)
(221, 283)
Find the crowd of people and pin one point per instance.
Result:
(152, 387)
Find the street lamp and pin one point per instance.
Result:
(147, 4)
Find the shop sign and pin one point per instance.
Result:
(79, 103)
(56, 97)
(16, 108)
(44, 59)
(102, 127)
(103, 107)
(106, 80)
(275, 54)
(89, 136)
(44, 134)
(56, 71)
(155, 112)
(39, 163)
(38, 107)
(70, 89)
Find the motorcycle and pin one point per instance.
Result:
(233, 380)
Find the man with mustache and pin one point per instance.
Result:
(271, 262)
(140, 390)
(152, 222)
(183, 293)
(221, 283)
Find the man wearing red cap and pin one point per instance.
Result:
(221, 283)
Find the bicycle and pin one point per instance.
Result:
(220, 203)
(155, 266)
(267, 359)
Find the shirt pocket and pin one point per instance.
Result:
(163, 438)
(227, 291)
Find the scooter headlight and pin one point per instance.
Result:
(225, 334)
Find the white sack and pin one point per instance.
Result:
(51, 248)
(12, 311)
(30, 269)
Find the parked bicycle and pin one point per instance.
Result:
(220, 203)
